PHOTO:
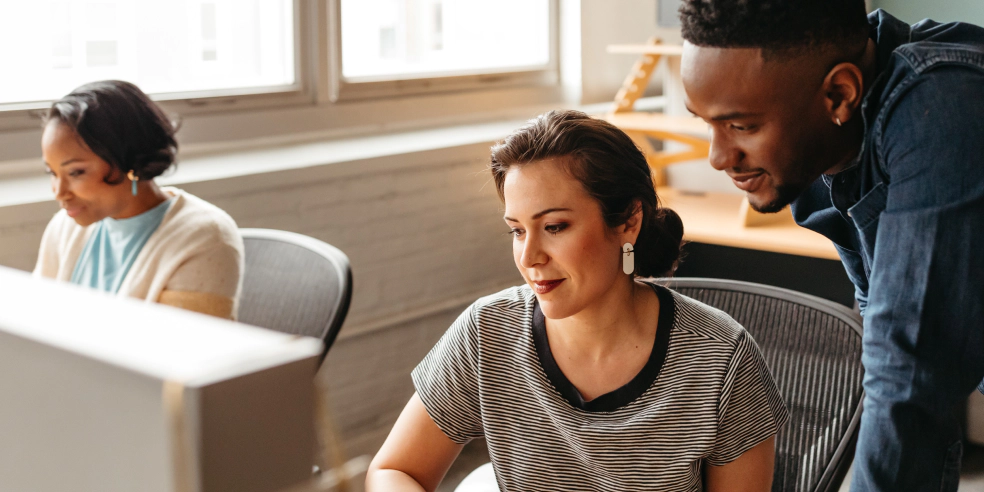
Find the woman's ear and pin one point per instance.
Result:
(629, 231)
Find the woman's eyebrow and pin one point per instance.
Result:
(540, 214)
(74, 159)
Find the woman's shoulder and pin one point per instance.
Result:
(509, 302)
(194, 217)
(710, 323)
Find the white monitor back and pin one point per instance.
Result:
(104, 394)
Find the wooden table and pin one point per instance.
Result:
(778, 252)
(713, 218)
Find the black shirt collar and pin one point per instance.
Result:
(621, 396)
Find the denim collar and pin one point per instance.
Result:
(889, 33)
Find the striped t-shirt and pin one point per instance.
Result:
(704, 397)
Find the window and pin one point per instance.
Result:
(209, 56)
(387, 47)
(171, 49)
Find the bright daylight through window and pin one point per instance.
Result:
(196, 48)
(403, 39)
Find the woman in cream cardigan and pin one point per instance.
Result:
(117, 230)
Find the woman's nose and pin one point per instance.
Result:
(532, 254)
(59, 188)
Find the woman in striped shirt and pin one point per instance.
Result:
(587, 377)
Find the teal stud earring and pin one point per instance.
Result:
(133, 182)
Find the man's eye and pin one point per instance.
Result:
(741, 128)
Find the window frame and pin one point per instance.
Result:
(218, 124)
(304, 90)
(340, 89)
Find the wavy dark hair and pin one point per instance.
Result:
(121, 125)
(611, 169)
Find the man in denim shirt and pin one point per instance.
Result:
(874, 131)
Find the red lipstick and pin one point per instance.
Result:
(543, 286)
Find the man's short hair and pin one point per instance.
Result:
(775, 26)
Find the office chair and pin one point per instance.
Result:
(813, 348)
(296, 284)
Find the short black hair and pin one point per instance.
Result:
(121, 125)
(612, 170)
(775, 26)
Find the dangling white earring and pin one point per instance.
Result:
(628, 259)
(838, 121)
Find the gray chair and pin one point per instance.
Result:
(294, 284)
(813, 347)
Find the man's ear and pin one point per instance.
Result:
(844, 90)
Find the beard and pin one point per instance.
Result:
(784, 195)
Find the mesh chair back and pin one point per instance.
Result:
(294, 284)
(813, 347)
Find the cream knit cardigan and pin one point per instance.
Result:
(193, 260)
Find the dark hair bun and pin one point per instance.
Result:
(659, 245)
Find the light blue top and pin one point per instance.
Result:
(113, 247)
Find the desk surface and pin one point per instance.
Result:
(712, 218)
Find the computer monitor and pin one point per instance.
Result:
(100, 393)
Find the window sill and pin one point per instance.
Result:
(26, 184)
(33, 189)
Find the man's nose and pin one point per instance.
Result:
(722, 153)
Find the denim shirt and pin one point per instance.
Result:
(891, 216)
(907, 219)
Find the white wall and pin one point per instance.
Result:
(622, 22)
(421, 229)
(913, 11)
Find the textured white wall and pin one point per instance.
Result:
(421, 229)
